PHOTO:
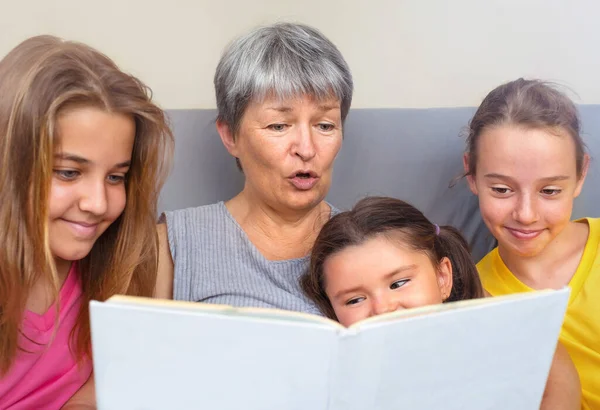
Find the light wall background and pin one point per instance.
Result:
(420, 68)
(403, 53)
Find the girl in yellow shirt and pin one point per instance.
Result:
(526, 162)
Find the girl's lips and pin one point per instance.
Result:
(524, 234)
(82, 229)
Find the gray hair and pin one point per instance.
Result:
(284, 60)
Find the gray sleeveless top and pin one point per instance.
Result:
(215, 262)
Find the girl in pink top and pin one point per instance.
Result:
(84, 153)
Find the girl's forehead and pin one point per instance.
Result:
(514, 149)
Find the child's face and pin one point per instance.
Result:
(380, 276)
(88, 189)
(526, 181)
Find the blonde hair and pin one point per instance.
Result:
(39, 79)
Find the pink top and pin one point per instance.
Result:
(45, 373)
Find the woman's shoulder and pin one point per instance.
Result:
(189, 215)
(179, 226)
(333, 210)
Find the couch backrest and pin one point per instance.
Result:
(411, 154)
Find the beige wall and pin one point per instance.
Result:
(411, 53)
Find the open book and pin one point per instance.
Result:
(492, 353)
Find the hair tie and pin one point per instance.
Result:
(437, 229)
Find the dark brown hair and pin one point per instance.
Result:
(526, 103)
(400, 221)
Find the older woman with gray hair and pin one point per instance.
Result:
(283, 93)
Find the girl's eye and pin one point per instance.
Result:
(354, 301)
(326, 127)
(551, 191)
(501, 190)
(116, 179)
(277, 127)
(66, 174)
(398, 284)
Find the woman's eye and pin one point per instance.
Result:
(326, 127)
(354, 301)
(277, 127)
(399, 283)
(66, 174)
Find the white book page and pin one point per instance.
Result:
(154, 359)
(488, 357)
(222, 310)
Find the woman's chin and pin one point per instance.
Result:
(305, 200)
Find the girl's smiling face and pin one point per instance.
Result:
(88, 187)
(526, 181)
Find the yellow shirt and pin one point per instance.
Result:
(580, 332)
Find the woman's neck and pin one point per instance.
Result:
(278, 234)
(555, 265)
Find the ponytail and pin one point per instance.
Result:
(374, 216)
(465, 278)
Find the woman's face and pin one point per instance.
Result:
(287, 149)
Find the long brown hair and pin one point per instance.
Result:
(39, 79)
(526, 103)
(399, 221)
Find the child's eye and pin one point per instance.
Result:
(398, 284)
(277, 127)
(66, 174)
(501, 190)
(116, 179)
(356, 300)
(551, 191)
